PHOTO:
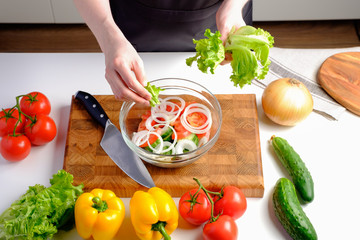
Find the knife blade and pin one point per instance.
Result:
(113, 143)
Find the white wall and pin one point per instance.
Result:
(280, 10)
(64, 11)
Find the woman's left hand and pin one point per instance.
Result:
(228, 16)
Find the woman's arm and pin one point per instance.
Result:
(124, 68)
(229, 15)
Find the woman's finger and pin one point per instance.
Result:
(129, 78)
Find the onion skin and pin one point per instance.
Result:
(287, 101)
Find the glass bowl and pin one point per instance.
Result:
(130, 117)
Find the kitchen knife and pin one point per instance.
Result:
(113, 143)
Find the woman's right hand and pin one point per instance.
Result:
(124, 67)
(125, 71)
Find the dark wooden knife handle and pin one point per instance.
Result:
(93, 107)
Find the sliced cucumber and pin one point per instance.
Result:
(166, 136)
(193, 137)
(157, 142)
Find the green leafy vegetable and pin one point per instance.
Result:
(210, 52)
(41, 211)
(248, 46)
(154, 91)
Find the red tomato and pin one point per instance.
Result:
(142, 126)
(41, 131)
(8, 119)
(35, 103)
(194, 207)
(180, 130)
(196, 119)
(224, 228)
(232, 203)
(152, 138)
(146, 115)
(15, 148)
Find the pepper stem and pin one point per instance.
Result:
(99, 204)
(160, 227)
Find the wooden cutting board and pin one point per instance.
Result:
(339, 75)
(235, 159)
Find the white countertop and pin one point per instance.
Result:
(330, 149)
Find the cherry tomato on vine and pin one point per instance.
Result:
(41, 131)
(8, 119)
(15, 148)
(195, 207)
(35, 103)
(224, 228)
(232, 203)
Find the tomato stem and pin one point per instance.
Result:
(19, 120)
(207, 192)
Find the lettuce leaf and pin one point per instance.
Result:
(210, 52)
(154, 91)
(39, 213)
(249, 48)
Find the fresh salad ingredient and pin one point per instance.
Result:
(224, 228)
(25, 124)
(248, 46)
(195, 207)
(15, 148)
(287, 101)
(9, 121)
(99, 214)
(231, 201)
(154, 91)
(40, 130)
(41, 211)
(153, 214)
(210, 52)
(174, 127)
(231, 205)
(289, 212)
(35, 103)
(295, 166)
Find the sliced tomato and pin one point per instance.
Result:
(152, 138)
(180, 130)
(141, 126)
(196, 119)
(146, 115)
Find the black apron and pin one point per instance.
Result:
(167, 25)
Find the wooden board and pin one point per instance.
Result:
(235, 159)
(339, 75)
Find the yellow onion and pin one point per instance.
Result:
(287, 101)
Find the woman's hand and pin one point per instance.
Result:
(124, 67)
(125, 71)
(228, 15)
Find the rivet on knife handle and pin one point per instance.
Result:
(93, 107)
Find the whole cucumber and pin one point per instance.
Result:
(289, 212)
(296, 168)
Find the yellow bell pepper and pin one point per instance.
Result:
(99, 214)
(153, 214)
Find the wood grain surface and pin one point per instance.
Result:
(235, 159)
(339, 75)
